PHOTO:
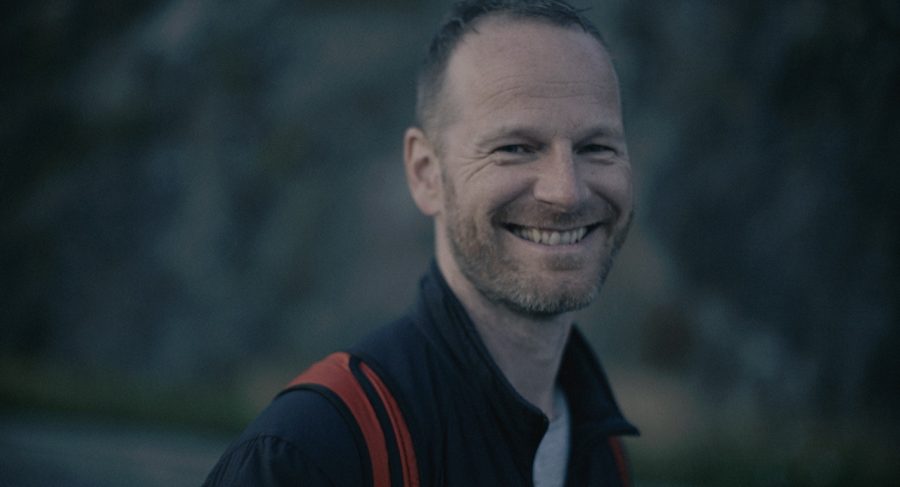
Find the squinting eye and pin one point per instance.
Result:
(514, 149)
(595, 149)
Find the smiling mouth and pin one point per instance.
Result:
(551, 237)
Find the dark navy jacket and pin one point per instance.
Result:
(469, 426)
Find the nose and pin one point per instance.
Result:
(558, 182)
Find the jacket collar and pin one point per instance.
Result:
(590, 399)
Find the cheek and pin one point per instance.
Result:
(614, 183)
(491, 191)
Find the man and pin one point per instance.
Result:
(519, 157)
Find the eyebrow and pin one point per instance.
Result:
(508, 132)
(530, 133)
(602, 131)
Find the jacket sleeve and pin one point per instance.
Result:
(300, 439)
(266, 461)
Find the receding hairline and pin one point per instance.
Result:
(431, 107)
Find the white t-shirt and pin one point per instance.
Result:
(552, 455)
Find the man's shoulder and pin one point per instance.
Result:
(403, 355)
(301, 435)
(401, 335)
(309, 432)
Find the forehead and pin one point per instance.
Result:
(506, 59)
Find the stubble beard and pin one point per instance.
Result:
(503, 280)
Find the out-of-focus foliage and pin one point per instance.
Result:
(206, 196)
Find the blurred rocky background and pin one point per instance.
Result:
(199, 198)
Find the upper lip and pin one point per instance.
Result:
(556, 228)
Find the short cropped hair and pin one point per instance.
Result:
(462, 19)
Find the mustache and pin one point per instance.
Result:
(536, 214)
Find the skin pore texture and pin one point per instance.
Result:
(529, 184)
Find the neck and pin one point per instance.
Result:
(527, 349)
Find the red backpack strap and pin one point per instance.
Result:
(618, 451)
(363, 392)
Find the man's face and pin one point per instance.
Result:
(537, 192)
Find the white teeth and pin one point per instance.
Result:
(551, 237)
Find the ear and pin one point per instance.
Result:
(423, 174)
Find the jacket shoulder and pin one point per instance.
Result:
(301, 438)
(394, 347)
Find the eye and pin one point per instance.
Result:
(596, 149)
(515, 149)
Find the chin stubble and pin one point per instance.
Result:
(499, 278)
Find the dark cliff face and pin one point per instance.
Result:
(185, 182)
(775, 197)
(188, 186)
